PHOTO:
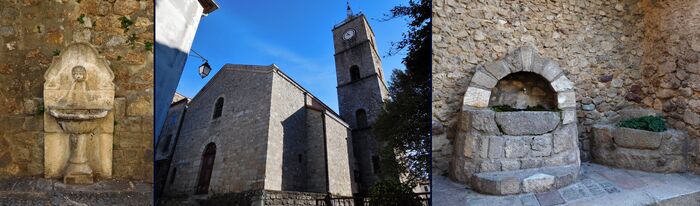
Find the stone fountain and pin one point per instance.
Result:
(511, 152)
(79, 119)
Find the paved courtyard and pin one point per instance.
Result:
(598, 185)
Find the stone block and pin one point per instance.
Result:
(526, 53)
(562, 84)
(551, 70)
(509, 165)
(541, 145)
(568, 116)
(497, 68)
(531, 163)
(634, 112)
(602, 134)
(476, 97)
(481, 78)
(637, 139)
(496, 145)
(564, 138)
(481, 120)
(516, 147)
(490, 166)
(538, 64)
(566, 99)
(527, 122)
(673, 142)
(538, 183)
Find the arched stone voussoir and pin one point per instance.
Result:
(550, 71)
(566, 99)
(483, 78)
(497, 68)
(562, 84)
(476, 97)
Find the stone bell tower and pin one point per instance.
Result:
(361, 93)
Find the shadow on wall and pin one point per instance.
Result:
(294, 158)
(169, 65)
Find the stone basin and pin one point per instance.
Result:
(527, 122)
(78, 121)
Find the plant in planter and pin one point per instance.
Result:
(508, 108)
(648, 123)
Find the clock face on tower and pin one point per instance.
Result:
(348, 34)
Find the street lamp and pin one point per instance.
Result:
(204, 69)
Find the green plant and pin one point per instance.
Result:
(40, 110)
(56, 52)
(119, 58)
(126, 23)
(81, 19)
(148, 46)
(648, 123)
(508, 108)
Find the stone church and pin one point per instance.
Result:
(252, 135)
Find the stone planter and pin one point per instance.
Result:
(628, 148)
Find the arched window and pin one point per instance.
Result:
(206, 169)
(166, 143)
(354, 73)
(218, 107)
(361, 118)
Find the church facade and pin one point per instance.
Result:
(253, 134)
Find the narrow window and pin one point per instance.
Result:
(354, 73)
(361, 118)
(299, 158)
(218, 107)
(375, 164)
(357, 175)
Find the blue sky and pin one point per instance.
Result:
(294, 35)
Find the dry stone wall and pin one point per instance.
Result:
(32, 32)
(617, 53)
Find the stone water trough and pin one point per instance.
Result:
(663, 152)
(519, 151)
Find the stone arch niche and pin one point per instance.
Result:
(510, 152)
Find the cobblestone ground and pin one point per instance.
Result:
(39, 191)
(598, 185)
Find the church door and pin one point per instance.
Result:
(205, 171)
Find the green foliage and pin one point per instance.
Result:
(56, 52)
(648, 123)
(148, 46)
(392, 192)
(81, 19)
(119, 57)
(404, 124)
(40, 110)
(126, 23)
(508, 108)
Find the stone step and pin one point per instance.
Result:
(75, 198)
(525, 181)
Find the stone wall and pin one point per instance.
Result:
(33, 32)
(671, 67)
(338, 136)
(606, 48)
(241, 145)
(266, 197)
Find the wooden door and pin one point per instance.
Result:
(205, 171)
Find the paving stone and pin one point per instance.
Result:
(549, 198)
(538, 183)
(594, 188)
(609, 187)
(623, 180)
(529, 200)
